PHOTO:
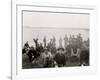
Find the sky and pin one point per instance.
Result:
(40, 24)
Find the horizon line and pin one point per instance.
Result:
(55, 28)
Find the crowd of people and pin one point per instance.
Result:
(74, 53)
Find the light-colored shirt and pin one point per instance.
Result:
(49, 55)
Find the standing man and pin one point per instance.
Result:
(60, 42)
(44, 40)
(26, 45)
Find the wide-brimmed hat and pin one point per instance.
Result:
(60, 49)
(45, 48)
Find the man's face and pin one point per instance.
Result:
(60, 51)
(46, 51)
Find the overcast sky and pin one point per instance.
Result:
(40, 24)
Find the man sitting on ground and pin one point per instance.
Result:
(47, 58)
(60, 58)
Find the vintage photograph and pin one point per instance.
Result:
(55, 39)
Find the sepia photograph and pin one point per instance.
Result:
(55, 39)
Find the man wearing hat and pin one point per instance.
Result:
(47, 58)
(60, 58)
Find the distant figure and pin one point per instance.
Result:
(26, 45)
(44, 40)
(54, 42)
(41, 48)
(60, 57)
(36, 42)
(60, 42)
(65, 41)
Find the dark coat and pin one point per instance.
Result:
(60, 59)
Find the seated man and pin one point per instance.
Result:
(25, 60)
(84, 57)
(47, 58)
(75, 56)
(60, 57)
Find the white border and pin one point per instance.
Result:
(18, 73)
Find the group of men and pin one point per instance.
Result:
(43, 57)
